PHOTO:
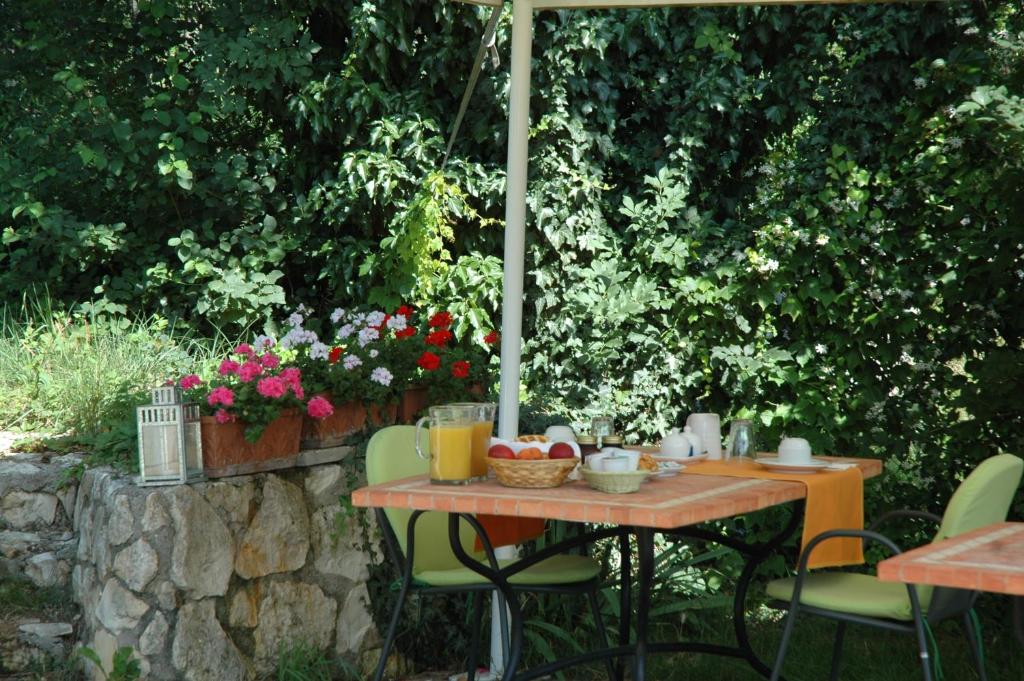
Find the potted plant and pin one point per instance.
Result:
(252, 411)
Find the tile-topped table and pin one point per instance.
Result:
(666, 503)
(670, 505)
(990, 558)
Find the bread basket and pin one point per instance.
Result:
(614, 482)
(532, 473)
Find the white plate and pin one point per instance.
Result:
(812, 466)
(679, 459)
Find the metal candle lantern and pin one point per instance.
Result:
(170, 446)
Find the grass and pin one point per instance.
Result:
(868, 654)
(21, 597)
(82, 375)
(69, 372)
(304, 662)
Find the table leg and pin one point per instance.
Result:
(1018, 618)
(625, 599)
(756, 555)
(645, 557)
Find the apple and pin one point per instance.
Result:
(561, 450)
(501, 452)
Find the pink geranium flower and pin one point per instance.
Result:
(243, 349)
(223, 417)
(293, 376)
(319, 408)
(299, 392)
(221, 395)
(190, 381)
(272, 387)
(227, 367)
(270, 361)
(249, 371)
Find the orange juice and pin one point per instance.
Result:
(481, 443)
(451, 449)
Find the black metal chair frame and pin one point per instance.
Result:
(498, 583)
(945, 602)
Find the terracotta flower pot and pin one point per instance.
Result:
(382, 414)
(348, 418)
(414, 400)
(226, 451)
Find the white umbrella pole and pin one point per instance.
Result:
(515, 256)
(515, 218)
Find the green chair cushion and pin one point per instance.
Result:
(562, 569)
(851, 593)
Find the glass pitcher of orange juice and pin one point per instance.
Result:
(483, 428)
(451, 443)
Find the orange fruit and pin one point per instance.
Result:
(530, 454)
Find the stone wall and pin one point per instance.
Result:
(37, 501)
(210, 580)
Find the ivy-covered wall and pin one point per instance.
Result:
(808, 215)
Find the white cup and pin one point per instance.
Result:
(596, 461)
(560, 434)
(794, 450)
(616, 464)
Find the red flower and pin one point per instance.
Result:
(438, 338)
(334, 355)
(491, 338)
(441, 320)
(406, 332)
(405, 311)
(460, 369)
(429, 361)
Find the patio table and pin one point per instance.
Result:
(990, 558)
(668, 505)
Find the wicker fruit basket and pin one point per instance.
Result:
(617, 482)
(534, 473)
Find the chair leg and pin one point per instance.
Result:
(922, 649)
(837, 651)
(389, 638)
(780, 657)
(595, 610)
(973, 636)
(476, 617)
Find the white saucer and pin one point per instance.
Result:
(679, 459)
(775, 464)
(667, 469)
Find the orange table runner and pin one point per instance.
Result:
(505, 530)
(835, 500)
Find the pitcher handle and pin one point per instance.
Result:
(419, 424)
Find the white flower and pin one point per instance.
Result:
(820, 348)
(368, 335)
(920, 82)
(375, 318)
(966, 220)
(769, 265)
(345, 331)
(971, 31)
(822, 239)
(956, 142)
(318, 351)
(381, 375)
(298, 336)
(373, 354)
(295, 319)
(350, 362)
(337, 315)
(398, 323)
(264, 342)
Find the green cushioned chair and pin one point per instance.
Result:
(418, 544)
(982, 499)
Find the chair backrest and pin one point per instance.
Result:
(984, 497)
(391, 455)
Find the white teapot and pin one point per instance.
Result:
(676, 444)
